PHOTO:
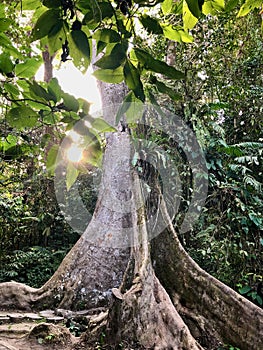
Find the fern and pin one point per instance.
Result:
(247, 159)
(249, 180)
(239, 168)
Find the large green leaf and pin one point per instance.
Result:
(22, 117)
(38, 91)
(5, 42)
(30, 4)
(189, 20)
(52, 3)
(213, 7)
(131, 109)
(54, 89)
(28, 68)
(230, 5)
(113, 76)
(80, 51)
(57, 36)
(133, 81)
(151, 24)
(175, 34)
(114, 60)
(167, 6)
(107, 36)
(95, 12)
(4, 24)
(135, 110)
(12, 89)
(6, 65)
(70, 102)
(165, 89)
(195, 6)
(157, 66)
(45, 24)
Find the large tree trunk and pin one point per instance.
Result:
(158, 296)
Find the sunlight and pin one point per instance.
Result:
(75, 83)
(74, 153)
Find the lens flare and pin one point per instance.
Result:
(74, 153)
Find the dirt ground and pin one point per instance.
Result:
(28, 335)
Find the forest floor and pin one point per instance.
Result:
(36, 331)
(49, 330)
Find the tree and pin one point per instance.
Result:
(156, 294)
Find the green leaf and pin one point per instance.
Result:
(6, 65)
(230, 5)
(27, 69)
(100, 125)
(259, 299)
(135, 110)
(194, 7)
(5, 42)
(95, 12)
(70, 102)
(244, 290)
(157, 66)
(113, 76)
(189, 20)
(52, 3)
(132, 107)
(84, 105)
(213, 7)
(71, 176)
(255, 219)
(165, 89)
(45, 24)
(51, 161)
(186, 37)
(107, 36)
(171, 33)
(114, 60)
(80, 51)
(22, 117)
(179, 35)
(39, 91)
(11, 89)
(133, 81)
(4, 24)
(248, 6)
(54, 90)
(151, 24)
(11, 141)
(30, 4)
(57, 36)
(167, 6)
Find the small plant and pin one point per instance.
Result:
(74, 329)
(50, 337)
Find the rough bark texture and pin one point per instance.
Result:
(212, 310)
